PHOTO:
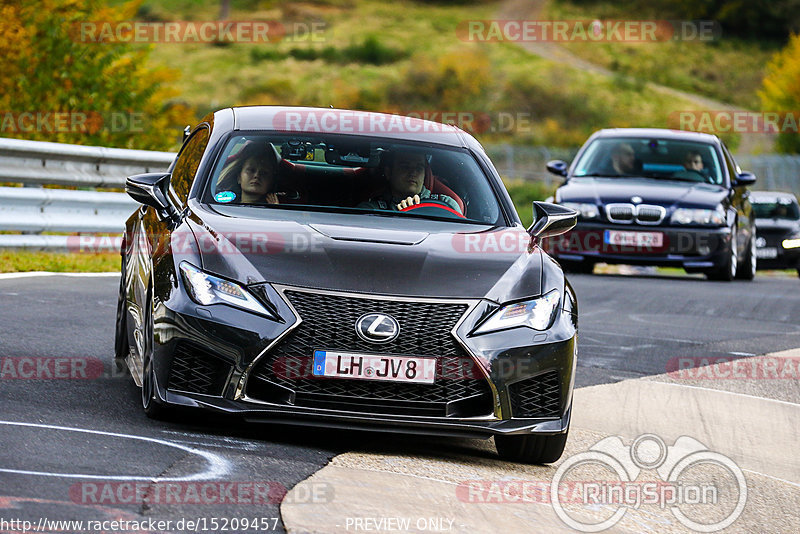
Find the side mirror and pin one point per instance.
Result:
(557, 167)
(151, 190)
(551, 220)
(744, 179)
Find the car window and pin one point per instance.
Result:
(775, 208)
(187, 163)
(355, 174)
(668, 159)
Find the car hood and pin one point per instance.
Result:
(777, 225)
(665, 193)
(393, 256)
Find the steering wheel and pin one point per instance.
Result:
(434, 207)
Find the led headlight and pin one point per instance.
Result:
(706, 217)
(536, 313)
(586, 211)
(206, 289)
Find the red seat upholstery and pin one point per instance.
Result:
(436, 187)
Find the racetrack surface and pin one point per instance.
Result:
(64, 440)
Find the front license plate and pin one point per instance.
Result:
(374, 367)
(767, 253)
(633, 239)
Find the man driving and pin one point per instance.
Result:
(693, 161)
(405, 171)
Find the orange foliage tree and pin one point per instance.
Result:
(781, 93)
(56, 86)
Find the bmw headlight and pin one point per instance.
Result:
(706, 217)
(536, 313)
(206, 289)
(585, 210)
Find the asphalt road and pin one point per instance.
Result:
(75, 443)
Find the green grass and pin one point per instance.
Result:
(405, 58)
(726, 69)
(25, 261)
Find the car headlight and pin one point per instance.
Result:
(537, 313)
(585, 211)
(792, 242)
(707, 217)
(207, 289)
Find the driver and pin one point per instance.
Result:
(693, 161)
(405, 171)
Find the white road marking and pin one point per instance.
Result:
(33, 274)
(729, 393)
(217, 466)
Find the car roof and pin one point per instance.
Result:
(661, 133)
(349, 122)
(775, 194)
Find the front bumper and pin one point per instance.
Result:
(207, 357)
(778, 257)
(690, 248)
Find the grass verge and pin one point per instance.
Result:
(26, 261)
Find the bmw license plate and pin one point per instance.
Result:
(374, 367)
(767, 253)
(633, 239)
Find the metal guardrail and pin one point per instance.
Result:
(43, 163)
(32, 209)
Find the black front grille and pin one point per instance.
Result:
(620, 213)
(650, 214)
(539, 396)
(328, 323)
(196, 370)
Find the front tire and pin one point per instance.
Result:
(531, 449)
(728, 268)
(121, 343)
(152, 405)
(747, 271)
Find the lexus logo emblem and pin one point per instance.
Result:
(377, 328)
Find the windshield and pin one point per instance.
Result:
(652, 158)
(352, 174)
(775, 208)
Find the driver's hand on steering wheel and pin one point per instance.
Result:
(410, 201)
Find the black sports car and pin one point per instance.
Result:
(280, 273)
(657, 197)
(777, 230)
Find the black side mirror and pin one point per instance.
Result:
(150, 189)
(551, 220)
(744, 179)
(557, 167)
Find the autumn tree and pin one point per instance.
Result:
(108, 93)
(781, 93)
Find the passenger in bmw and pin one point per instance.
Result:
(405, 171)
(623, 160)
